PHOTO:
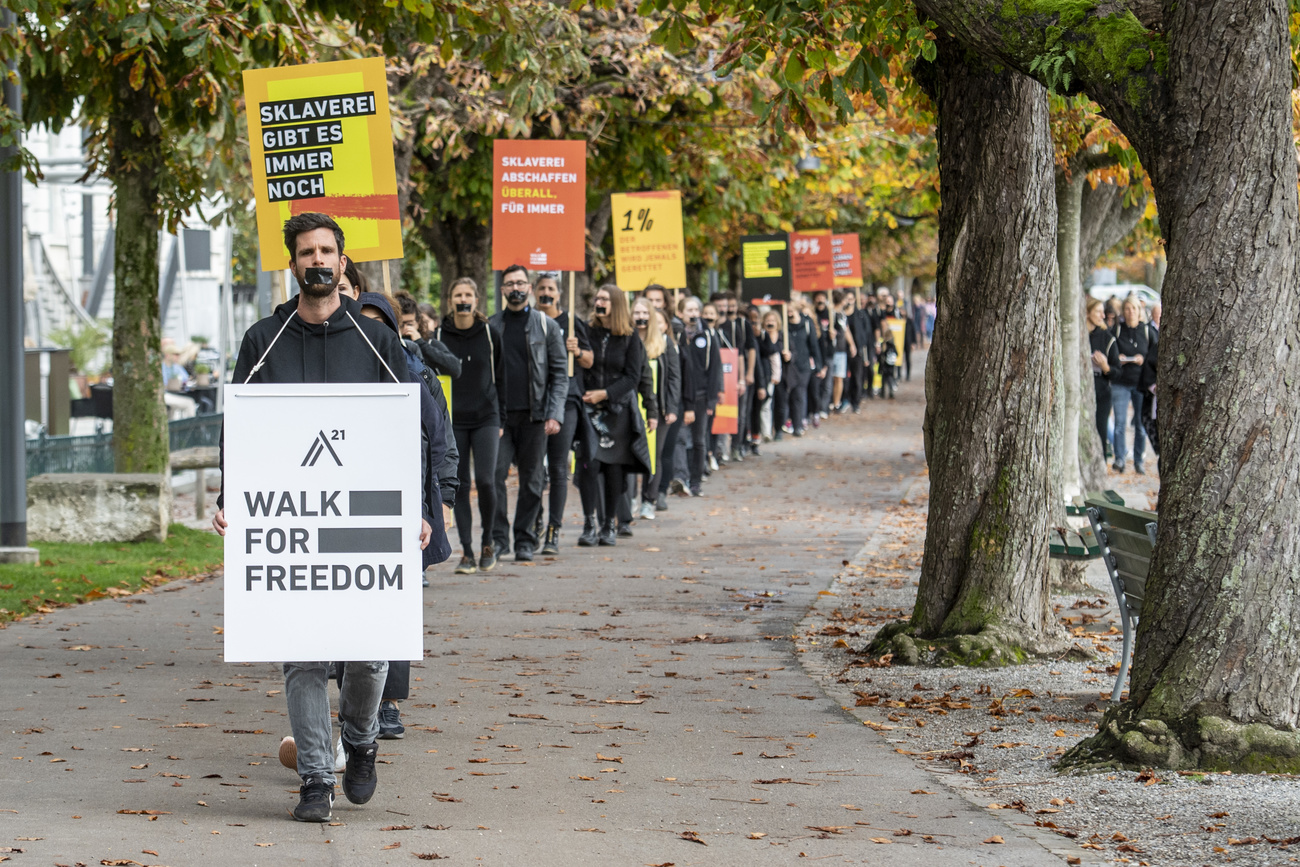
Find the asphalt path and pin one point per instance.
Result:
(634, 705)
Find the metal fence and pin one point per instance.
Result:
(94, 454)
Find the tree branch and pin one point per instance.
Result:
(1106, 51)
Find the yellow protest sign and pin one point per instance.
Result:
(648, 245)
(321, 140)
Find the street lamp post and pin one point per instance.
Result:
(13, 455)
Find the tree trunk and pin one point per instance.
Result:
(1069, 204)
(140, 441)
(462, 247)
(1213, 681)
(984, 577)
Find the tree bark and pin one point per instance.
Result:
(140, 441)
(462, 248)
(1217, 649)
(1210, 115)
(1069, 207)
(984, 577)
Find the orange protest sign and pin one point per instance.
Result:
(539, 204)
(726, 416)
(321, 139)
(811, 266)
(846, 255)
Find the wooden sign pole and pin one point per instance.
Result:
(571, 305)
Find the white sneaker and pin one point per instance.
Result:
(647, 511)
(340, 760)
(713, 464)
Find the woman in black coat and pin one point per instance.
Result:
(610, 400)
(701, 386)
(1105, 361)
(803, 359)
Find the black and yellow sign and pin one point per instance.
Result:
(765, 267)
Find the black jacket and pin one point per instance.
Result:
(701, 371)
(477, 350)
(670, 378)
(805, 354)
(439, 357)
(337, 352)
(863, 338)
(548, 372)
(1140, 340)
(1101, 340)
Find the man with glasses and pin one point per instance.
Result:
(531, 405)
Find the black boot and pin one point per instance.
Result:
(608, 533)
(551, 546)
(590, 530)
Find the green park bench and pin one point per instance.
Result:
(1127, 539)
(1068, 543)
(1078, 505)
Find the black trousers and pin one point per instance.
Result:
(791, 403)
(1101, 386)
(853, 388)
(558, 447)
(613, 481)
(744, 407)
(650, 484)
(699, 446)
(479, 446)
(523, 443)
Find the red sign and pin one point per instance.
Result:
(846, 257)
(811, 265)
(539, 204)
(726, 416)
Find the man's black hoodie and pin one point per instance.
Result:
(333, 351)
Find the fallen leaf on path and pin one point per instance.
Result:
(390, 846)
(692, 837)
(397, 828)
(829, 829)
(601, 758)
(144, 812)
(996, 838)
(624, 701)
(756, 835)
(526, 716)
(427, 856)
(881, 840)
(590, 830)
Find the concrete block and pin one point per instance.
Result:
(19, 555)
(98, 507)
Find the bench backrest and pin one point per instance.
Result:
(1126, 536)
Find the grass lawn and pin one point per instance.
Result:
(68, 574)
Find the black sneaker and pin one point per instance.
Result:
(359, 780)
(624, 530)
(661, 502)
(390, 722)
(315, 798)
(466, 566)
(523, 554)
(487, 561)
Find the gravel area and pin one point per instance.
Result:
(994, 734)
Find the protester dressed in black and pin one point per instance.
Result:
(1105, 363)
(663, 359)
(610, 400)
(802, 359)
(559, 445)
(475, 417)
(701, 387)
(530, 398)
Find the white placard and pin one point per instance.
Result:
(323, 501)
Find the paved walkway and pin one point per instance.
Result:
(635, 705)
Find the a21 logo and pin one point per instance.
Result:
(319, 446)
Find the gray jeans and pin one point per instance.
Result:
(306, 689)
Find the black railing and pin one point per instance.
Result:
(94, 454)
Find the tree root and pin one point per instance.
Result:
(992, 647)
(1207, 743)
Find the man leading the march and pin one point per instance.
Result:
(320, 336)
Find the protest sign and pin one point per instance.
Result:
(539, 204)
(811, 266)
(726, 415)
(321, 139)
(765, 268)
(846, 254)
(322, 552)
(648, 245)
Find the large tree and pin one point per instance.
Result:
(990, 379)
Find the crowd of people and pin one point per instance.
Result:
(623, 401)
(1124, 338)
